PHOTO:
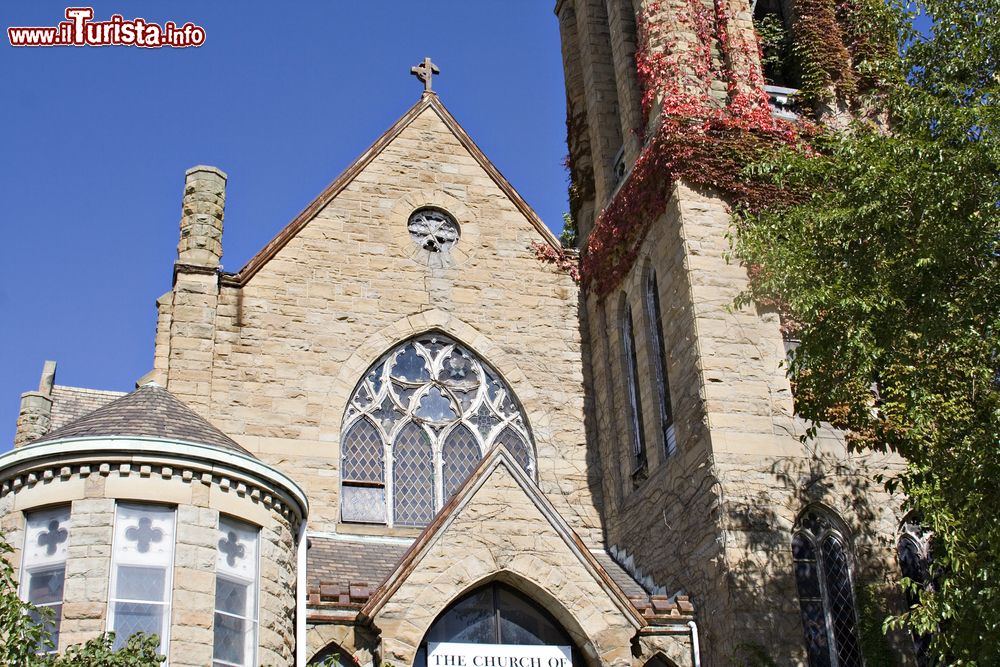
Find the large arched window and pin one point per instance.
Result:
(496, 614)
(417, 425)
(826, 593)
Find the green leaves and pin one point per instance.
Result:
(891, 267)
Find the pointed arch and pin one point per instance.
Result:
(823, 563)
(544, 605)
(417, 423)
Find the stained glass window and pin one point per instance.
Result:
(141, 567)
(418, 423)
(658, 350)
(634, 401)
(826, 593)
(235, 633)
(44, 567)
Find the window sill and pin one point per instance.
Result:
(375, 529)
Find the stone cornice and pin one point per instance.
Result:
(146, 457)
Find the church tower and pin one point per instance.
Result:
(708, 485)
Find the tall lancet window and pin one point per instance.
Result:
(417, 425)
(634, 401)
(914, 552)
(826, 593)
(658, 351)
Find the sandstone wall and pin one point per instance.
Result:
(716, 518)
(199, 496)
(274, 362)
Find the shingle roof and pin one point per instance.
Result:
(149, 411)
(344, 571)
(338, 560)
(71, 403)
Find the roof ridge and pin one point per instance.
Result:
(347, 176)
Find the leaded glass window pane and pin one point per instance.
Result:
(433, 389)
(235, 623)
(363, 453)
(826, 594)
(458, 459)
(841, 601)
(516, 445)
(141, 566)
(413, 477)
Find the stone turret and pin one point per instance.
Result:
(202, 214)
(35, 415)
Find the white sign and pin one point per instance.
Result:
(450, 654)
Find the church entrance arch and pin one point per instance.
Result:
(496, 614)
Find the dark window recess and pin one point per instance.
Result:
(634, 399)
(496, 614)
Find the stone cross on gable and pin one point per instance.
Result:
(425, 71)
(143, 534)
(232, 548)
(52, 538)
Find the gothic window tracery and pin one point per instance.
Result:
(433, 229)
(417, 425)
(826, 594)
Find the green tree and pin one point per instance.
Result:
(886, 253)
(21, 634)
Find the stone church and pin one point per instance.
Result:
(397, 437)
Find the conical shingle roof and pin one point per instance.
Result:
(150, 411)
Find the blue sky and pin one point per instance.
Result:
(96, 141)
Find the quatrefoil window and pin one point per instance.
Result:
(433, 230)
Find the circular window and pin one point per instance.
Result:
(433, 229)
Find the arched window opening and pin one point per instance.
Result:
(496, 614)
(634, 401)
(771, 24)
(417, 425)
(826, 593)
(914, 553)
(658, 350)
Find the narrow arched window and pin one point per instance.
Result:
(914, 553)
(634, 402)
(417, 425)
(826, 593)
(658, 350)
